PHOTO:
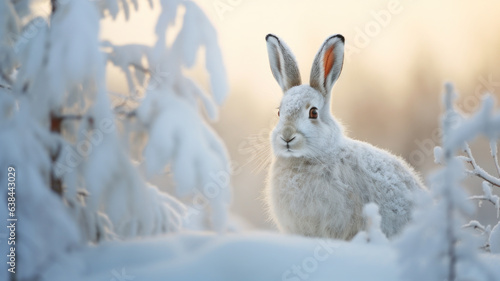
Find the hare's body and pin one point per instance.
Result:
(325, 196)
(320, 179)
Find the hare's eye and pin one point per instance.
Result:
(278, 112)
(313, 113)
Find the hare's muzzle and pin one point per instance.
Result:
(288, 142)
(288, 134)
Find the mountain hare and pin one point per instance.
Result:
(320, 179)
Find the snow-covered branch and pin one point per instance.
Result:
(437, 232)
(475, 225)
(494, 154)
(488, 196)
(67, 133)
(478, 171)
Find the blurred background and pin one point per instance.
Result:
(398, 55)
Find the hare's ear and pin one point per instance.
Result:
(283, 64)
(328, 64)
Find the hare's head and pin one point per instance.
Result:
(306, 128)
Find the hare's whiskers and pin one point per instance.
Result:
(259, 150)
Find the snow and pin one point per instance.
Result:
(196, 160)
(438, 155)
(495, 239)
(373, 234)
(489, 196)
(77, 57)
(31, 55)
(9, 25)
(27, 140)
(250, 256)
(125, 55)
(196, 32)
(112, 7)
(493, 148)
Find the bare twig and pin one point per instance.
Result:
(56, 121)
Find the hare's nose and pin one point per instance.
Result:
(287, 140)
(287, 134)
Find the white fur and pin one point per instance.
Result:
(320, 181)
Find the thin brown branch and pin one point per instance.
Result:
(55, 182)
(57, 120)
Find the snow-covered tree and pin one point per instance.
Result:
(488, 127)
(435, 246)
(73, 143)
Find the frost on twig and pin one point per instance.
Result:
(484, 231)
(478, 171)
(494, 154)
(476, 225)
(488, 196)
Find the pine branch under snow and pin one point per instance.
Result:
(68, 125)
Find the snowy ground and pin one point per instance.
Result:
(250, 256)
